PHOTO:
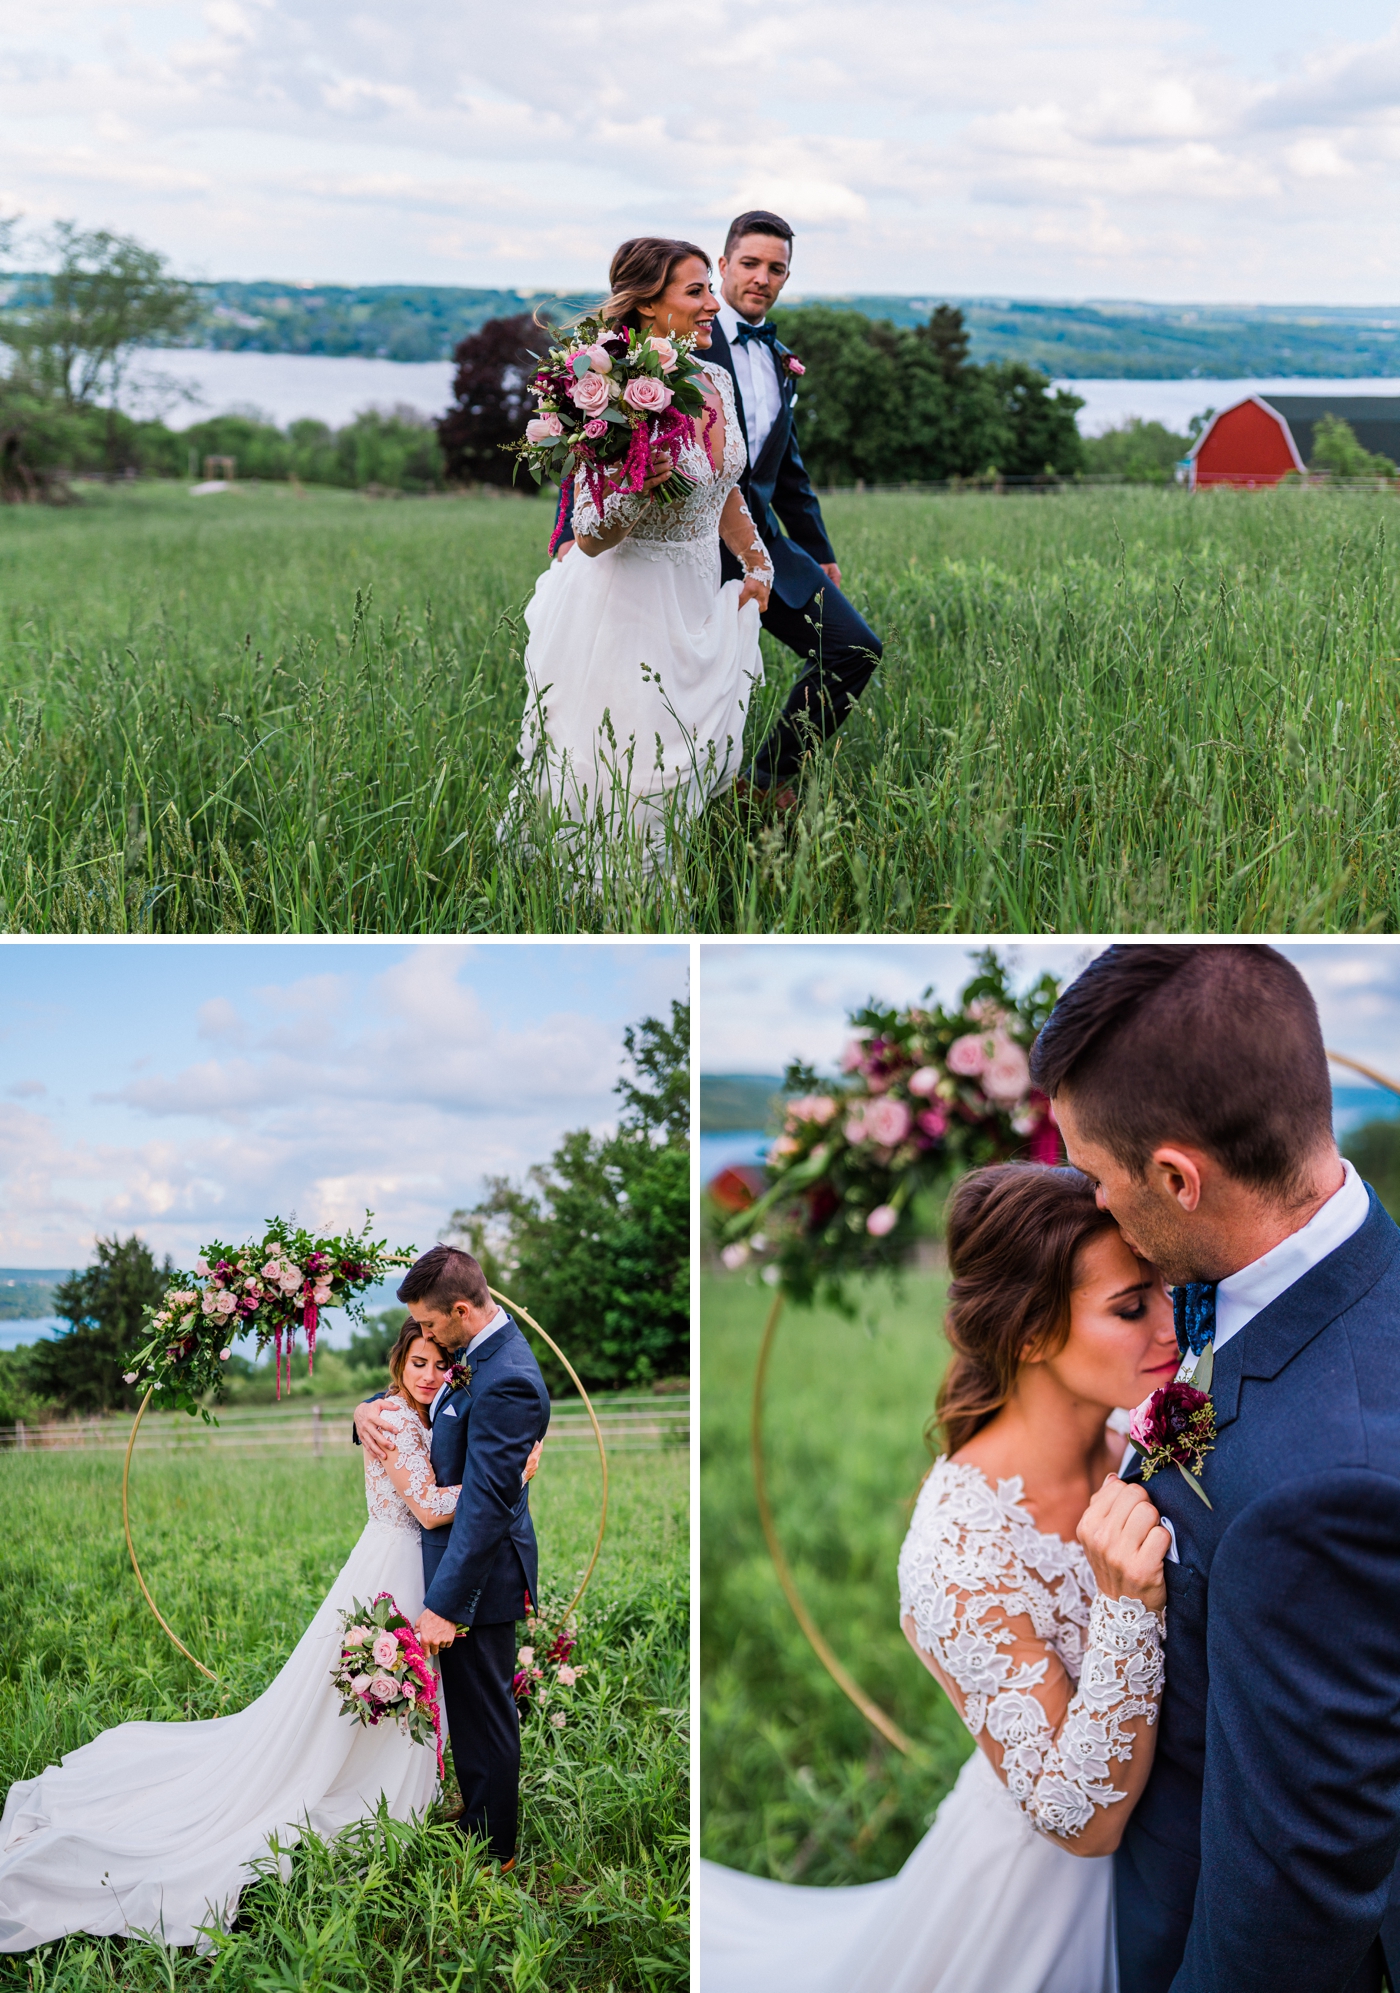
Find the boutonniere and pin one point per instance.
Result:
(458, 1375)
(1176, 1425)
(794, 365)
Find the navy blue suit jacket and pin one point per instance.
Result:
(776, 488)
(1261, 1857)
(480, 1567)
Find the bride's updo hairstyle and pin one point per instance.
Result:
(640, 272)
(1014, 1231)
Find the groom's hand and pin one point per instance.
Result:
(377, 1439)
(434, 1631)
(831, 571)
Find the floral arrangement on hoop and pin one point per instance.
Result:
(927, 1090)
(384, 1673)
(271, 1288)
(541, 1670)
(608, 399)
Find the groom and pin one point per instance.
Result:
(1191, 1083)
(806, 611)
(481, 1570)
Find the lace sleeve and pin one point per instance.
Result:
(620, 509)
(413, 1462)
(1005, 1614)
(740, 535)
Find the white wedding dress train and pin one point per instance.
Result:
(640, 666)
(1049, 1672)
(151, 1827)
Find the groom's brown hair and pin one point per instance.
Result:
(442, 1275)
(1215, 1046)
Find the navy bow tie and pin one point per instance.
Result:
(1193, 1310)
(766, 333)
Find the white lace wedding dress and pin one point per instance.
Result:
(1046, 1673)
(151, 1826)
(640, 666)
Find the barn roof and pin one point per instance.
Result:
(1374, 417)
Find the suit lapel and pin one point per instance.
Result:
(722, 353)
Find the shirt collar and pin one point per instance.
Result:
(500, 1320)
(1241, 1296)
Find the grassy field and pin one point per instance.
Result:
(794, 1783)
(1105, 710)
(238, 1553)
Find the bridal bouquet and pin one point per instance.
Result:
(383, 1673)
(608, 400)
(271, 1288)
(924, 1091)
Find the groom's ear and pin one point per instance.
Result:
(1180, 1174)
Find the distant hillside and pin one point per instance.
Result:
(1108, 340)
(737, 1101)
(26, 1292)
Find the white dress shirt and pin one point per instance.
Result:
(499, 1320)
(756, 371)
(1240, 1297)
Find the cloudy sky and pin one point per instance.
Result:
(1164, 149)
(185, 1092)
(761, 1006)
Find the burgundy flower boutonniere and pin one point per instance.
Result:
(458, 1375)
(1176, 1425)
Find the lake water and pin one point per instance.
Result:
(717, 1152)
(287, 385)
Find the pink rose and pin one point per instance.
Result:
(968, 1056)
(201, 1267)
(815, 1107)
(856, 1130)
(384, 1690)
(794, 365)
(357, 1636)
(1008, 1074)
(882, 1221)
(590, 394)
(665, 353)
(887, 1122)
(540, 428)
(595, 426)
(322, 1295)
(644, 394)
(853, 1054)
(290, 1280)
(224, 1304)
(599, 359)
(385, 1650)
(934, 1121)
(784, 1146)
(925, 1081)
(224, 1355)
(567, 1677)
(360, 1684)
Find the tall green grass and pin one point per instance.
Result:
(794, 1783)
(238, 1554)
(1113, 710)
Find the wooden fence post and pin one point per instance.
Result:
(316, 1429)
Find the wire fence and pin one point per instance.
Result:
(631, 1422)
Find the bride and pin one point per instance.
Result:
(640, 666)
(1050, 1648)
(153, 1827)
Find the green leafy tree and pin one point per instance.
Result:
(371, 1342)
(1138, 452)
(596, 1242)
(1337, 451)
(81, 1369)
(1375, 1150)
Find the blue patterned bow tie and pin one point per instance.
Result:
(1193, 1310)
(766, 333)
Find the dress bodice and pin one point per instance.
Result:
(1044, 1671)
(687, 528)
(385, 1503)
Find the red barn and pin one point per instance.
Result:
(1249, 444)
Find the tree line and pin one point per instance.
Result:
(595, 1243)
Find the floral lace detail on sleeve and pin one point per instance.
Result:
(743, 541)
(412, 1449)
(1043, 1670)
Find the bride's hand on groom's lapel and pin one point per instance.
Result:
(1125, 1543)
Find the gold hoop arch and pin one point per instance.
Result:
(845, 1681)
(506, 1302)
(847, 1684)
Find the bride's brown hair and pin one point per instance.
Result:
(408, 1335)
(1014, 1231)
(639, 273)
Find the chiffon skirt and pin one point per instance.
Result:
(640, 668)
(983, 1905)
(151, 1826)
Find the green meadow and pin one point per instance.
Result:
(795, 1784)
(1100, 709)
(238, 1552)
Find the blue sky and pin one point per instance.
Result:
(185, 1091)
(1110, 148)
(763, 1004)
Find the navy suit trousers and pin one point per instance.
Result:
(478, 1673)
(839, 651)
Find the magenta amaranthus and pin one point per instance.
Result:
(271, 1289)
